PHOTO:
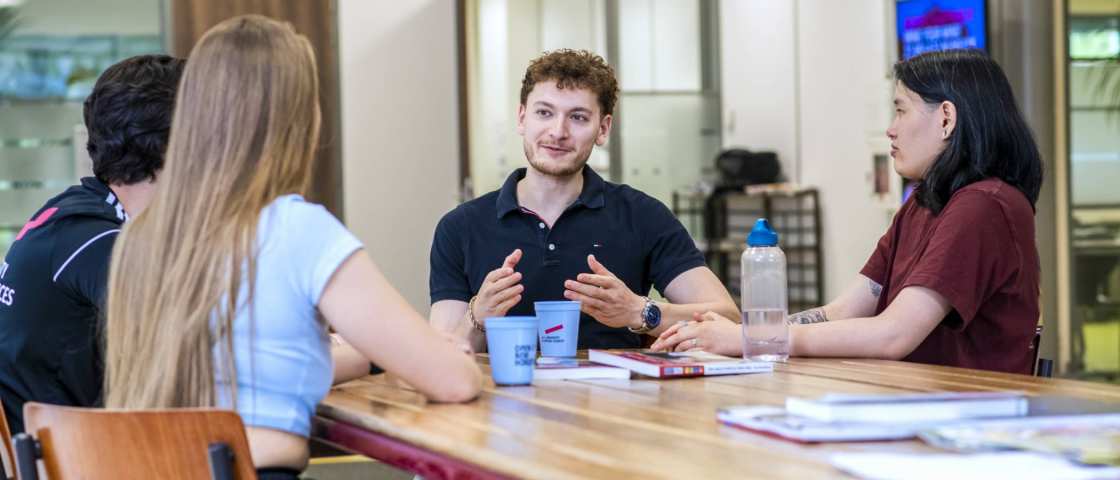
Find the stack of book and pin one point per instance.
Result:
(678, 364)
(620, 363)
(552, 368)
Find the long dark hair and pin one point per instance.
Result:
(991, 138)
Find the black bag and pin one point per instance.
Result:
(738, 168)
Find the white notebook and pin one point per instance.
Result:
(909, 407)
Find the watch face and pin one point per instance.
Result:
(653, 316)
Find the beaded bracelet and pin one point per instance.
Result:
(470, 314)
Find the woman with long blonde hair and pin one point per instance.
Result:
(215, 289)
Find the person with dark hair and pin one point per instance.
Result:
(955, 279)
(53, 279)
(556, 230)
(128, 116)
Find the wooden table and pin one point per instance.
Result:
(633, 428)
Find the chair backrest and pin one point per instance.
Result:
(1043, 367)
(1036, 342)
(7, 456)
(95, 443)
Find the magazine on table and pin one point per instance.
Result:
(1083, 430)
(1090, 439)
(775, 421)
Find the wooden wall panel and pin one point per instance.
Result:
(316, 19)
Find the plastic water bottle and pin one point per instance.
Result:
(763, 294)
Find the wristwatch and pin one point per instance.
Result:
(651, 317)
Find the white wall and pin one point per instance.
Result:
(490, 95)
(659, 45)
(400, 137)
(759, 79)
(845, 106)
(576, 24)
(808, 79)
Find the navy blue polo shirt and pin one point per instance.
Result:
(632, 234)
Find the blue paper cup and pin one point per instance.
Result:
(512, 343)
(558, 327)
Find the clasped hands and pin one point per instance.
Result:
(710, 332)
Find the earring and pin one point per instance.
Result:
(945, 133)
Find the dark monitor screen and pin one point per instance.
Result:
(927, 25)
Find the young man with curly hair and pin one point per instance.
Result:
(556, 230)
(53, 279)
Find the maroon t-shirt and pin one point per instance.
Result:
(979, 253)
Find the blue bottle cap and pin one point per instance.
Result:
(762, 235)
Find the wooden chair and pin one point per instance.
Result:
(94, 443)
(7, 456)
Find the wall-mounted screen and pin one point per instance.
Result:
(927, 25)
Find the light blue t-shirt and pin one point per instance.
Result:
(282, 357)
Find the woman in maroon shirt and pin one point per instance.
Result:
(955, 280)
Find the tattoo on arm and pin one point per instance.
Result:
(876, 289)
(815, 315)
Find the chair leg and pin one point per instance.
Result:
(221, 461)
(28, 453)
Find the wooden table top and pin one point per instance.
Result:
(646, 427)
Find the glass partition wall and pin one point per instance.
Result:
(1093, 119)
(51, 53)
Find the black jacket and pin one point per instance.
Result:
(52, 290)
